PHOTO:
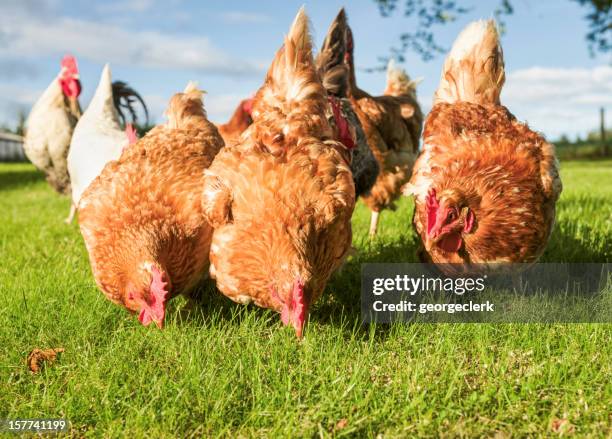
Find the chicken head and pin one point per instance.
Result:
(69, 79)
(150, 300)
(448, 218)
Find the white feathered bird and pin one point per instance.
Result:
(51, 123)
(99, 137)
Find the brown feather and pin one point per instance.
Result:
(237, 124)
(145, 207)
(282, 197)
(392, 124)
(478, 156)
(474, 70)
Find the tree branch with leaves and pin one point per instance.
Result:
(430, 13)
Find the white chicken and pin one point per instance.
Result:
(98, 137)
(51, 123)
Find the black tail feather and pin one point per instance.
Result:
(330, 62)
(124, 99)
(335, 75)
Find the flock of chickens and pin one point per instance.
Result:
(263, 203)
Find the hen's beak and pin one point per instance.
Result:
(158, 319)
(433, 236)
(430, 242)
(296, 320)
(75, 108)
(299, 328)
(146, 317)
(294, 309)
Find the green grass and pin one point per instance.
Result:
(228, 370)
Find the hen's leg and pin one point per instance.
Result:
(374, 223)
(71, 214)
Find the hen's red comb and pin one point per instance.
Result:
(155, 310)
(159, 289)
(295, 309)
(299, 307)
(69, 63)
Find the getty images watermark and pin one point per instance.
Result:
(501, 293)
(412, 286)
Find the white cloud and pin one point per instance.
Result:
(30, 8)
(20, 95)
(15, 68)
(559, 100)
(244, 17)
(100, 42)
(16, 99)
(125, 6)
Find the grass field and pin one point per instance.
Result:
(228, 370)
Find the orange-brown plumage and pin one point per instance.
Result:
(281, 199)
(392, 124)
(143, 213)
(485, 185)
(240, 121)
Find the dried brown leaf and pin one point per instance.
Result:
(38, 357)
(562, 426)
(342, 423)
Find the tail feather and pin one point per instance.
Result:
(124, 99)
(102, 101)
(292, 88)
(192, 88)
(186, 108)
(298, 44)
(398, 81)
(291, 76)
(474, 69)
(330, 61)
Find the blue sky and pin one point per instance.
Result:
(158, 45)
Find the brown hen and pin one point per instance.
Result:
(392, 124)
(142, 219)
(281, 199)
(240, 121)
(485, 185)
